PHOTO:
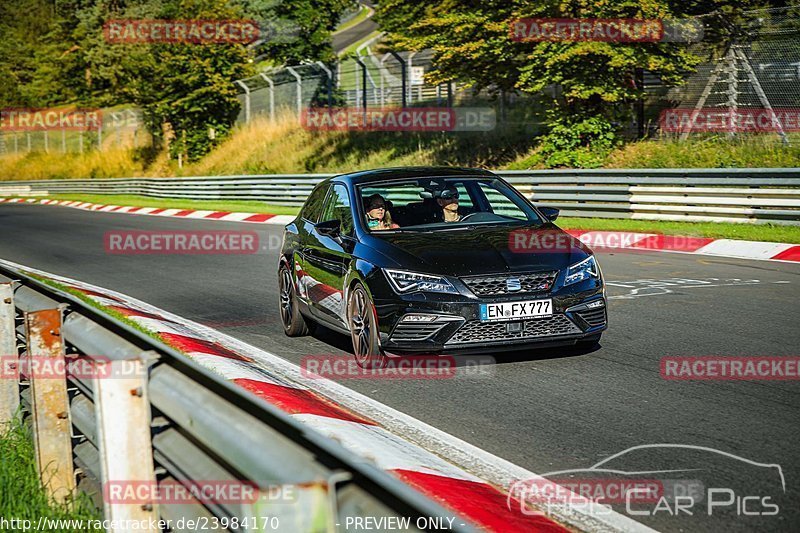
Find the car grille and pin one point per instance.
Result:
(477, 331)
(497, 285)
(410, 331)
(594, 317)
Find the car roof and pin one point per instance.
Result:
(383, 174)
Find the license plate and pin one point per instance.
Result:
(516, 310)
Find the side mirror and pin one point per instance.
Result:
(329, 228)
(550, 212)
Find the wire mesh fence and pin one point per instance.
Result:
(120, 128)
(748, 83)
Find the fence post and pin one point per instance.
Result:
(639, 73)
(330, 82)
(50, 404)
(299, 79)
(122, 411)
(403, 76)
(383, 73)
(271, 96)
(9, 386)
(364, 102)
(241, 84)
(408, 70)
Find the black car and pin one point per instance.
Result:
(432, 260)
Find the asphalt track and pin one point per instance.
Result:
(341, 40)
(546, 410)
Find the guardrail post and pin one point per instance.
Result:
(49, 403)
(9, 384)
(122, 411)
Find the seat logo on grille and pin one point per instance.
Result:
(513, 285)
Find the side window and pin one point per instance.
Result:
(337, 207)
(313, 206)
(502, 204)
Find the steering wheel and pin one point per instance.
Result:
(465, 217)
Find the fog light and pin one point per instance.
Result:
(595, 304)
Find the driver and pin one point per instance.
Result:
(447, 199)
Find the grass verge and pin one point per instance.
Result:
(23, 497)
(361, 16)
(100, 307)
(177, 203)
(751, 151)
(716, 230)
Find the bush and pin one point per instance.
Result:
(581, 143)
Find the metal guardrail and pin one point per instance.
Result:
(148, 414)
(716, 195)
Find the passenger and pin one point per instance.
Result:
(448, 200)
(378, 217)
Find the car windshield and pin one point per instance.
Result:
(439, 204)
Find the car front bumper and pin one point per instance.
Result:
(579, 312)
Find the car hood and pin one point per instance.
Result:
(481, 250)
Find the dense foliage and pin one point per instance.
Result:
(594, 83)
(57, 53)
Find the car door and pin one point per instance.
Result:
(309, 216)
(327, 258)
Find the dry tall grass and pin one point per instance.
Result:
(110, 163)
(263, 147)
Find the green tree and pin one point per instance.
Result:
(295, 30)
(594, 82)
(57, 53)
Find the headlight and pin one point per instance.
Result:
(581, 271)
(406, 282)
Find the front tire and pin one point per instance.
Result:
(294, 325)
(364, 329)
